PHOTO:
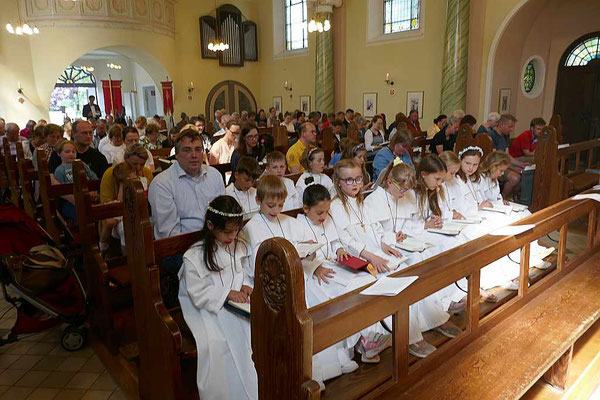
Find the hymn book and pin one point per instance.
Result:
(500, 208)
(306, 249)
(242, 309)
(449, 228)
(412, 245)
(470, 220)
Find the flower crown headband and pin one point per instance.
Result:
(398, 161)
(470, 148)
(225, 214)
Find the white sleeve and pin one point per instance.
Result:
(353, 246)
(369, 140)
(201, 289)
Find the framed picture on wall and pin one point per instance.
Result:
(369, 105)
(504, 101)
(277, 104)
(305, 104)
(414, 101)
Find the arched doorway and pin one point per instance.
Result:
(231, 96)
(577, 97)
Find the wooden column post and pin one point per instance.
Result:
(558, 373)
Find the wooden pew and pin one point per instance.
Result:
(554, 180)
(328, 143)
(49, 194)
(280, 137)
(177, 352)
(352, 132)
(10, 167)
(497, 356)
(466, 137)
(556, 123)
(160, 153)
(27, 177)
(108, 280)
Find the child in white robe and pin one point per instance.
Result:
(246, 173)
(270, 223)
(387, 208)
(214, 272)
(276, 165)
(451, 187)
(313, 161)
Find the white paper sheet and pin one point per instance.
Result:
(529, 168)
(590, 196)
(563, 146)
(511, 230)
(387, 286)
(343, 276)
(518, 207)
(597, 187)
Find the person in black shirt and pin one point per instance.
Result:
(446, 138)
(82, 136)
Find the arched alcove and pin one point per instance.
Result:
(577, 97)
(231, 96)
(140, 75)
(536, 32)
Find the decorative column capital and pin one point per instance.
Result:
(325, 6)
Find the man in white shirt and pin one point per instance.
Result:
(221, 151)
(180, 195)
(12, 135)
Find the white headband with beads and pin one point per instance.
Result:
(474, 148)
(225, 214)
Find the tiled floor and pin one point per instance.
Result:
(38, 368)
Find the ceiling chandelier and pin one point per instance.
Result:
(217, 45)
(113, 66)
(319, 23)
(21, 29)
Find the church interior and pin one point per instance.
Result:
(299, 199)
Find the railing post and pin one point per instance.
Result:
(562, 247)
(592, 225)
(524, 273)
(400, 339)
(473, 302)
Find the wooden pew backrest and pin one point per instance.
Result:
(27, 177)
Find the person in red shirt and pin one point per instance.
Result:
(523, 147)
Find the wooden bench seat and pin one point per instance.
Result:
(536, 336)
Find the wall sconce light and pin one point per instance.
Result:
(190, 90)
(287, 87)
(388, 80)
(19, 88)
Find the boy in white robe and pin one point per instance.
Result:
(276, 165)
(246, 173)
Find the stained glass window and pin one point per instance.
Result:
(401, 15)
(588, 50)
(76, 76)
(529, 78)
(296, 28)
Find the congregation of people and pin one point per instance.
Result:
(363, 199)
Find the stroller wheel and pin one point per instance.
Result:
(73, 338)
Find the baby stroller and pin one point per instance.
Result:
(37, 279)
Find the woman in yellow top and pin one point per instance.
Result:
(135, 156)
(437, 126)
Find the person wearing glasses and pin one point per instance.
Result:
(180, 195)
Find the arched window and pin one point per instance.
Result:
(529, 77)
(585, 52)
(401, 15)
(76, 76)
(296, 29)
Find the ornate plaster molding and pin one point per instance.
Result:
(148, 15)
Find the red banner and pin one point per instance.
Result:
(112, 95)
(167, 91)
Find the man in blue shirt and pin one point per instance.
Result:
(180, 195)
(398, 147)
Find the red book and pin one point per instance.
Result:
(357, 264)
